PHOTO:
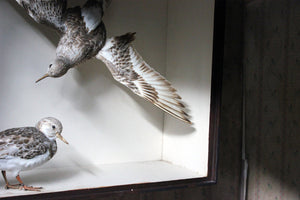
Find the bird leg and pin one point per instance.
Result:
(25, 187)
(7, 186)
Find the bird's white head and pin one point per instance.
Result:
(51, 127)
(56, 69)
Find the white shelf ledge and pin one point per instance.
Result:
(83, 177)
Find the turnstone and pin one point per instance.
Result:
(28, 147)
(84, 37)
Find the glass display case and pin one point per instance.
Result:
(118, 141)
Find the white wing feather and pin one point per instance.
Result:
(92, 13)
(129, 68)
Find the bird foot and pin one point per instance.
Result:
(23, 187)
(30, 188)
(16, 186)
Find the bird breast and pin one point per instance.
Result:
(77, 45)
(17, 164)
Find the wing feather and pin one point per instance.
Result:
(92, 13)
(129, 68)
(49, 12)
(22, 142)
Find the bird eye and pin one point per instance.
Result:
(50, 65)
(53, 127)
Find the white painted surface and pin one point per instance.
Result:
(100, 117)
(103, 121)
(189, 61)
(95, 176)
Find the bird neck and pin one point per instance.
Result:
(53, 148)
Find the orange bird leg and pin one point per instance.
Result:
(7, 186)
(30, 188)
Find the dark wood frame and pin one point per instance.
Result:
(215, 107)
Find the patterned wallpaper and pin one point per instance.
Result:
(272, 68)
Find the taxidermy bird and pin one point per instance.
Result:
(28, 147)
(83, 36)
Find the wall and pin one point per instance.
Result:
(189, 61)
(272, 68)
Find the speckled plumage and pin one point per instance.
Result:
(130, 69)
(84, 37)
(28, 147)
(49, 12)
(77, 43)
(25, 143)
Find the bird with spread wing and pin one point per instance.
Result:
(83, 36)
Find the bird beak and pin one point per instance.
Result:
(45, 76)
(61, 137)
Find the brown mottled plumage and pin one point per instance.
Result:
(84, 37)
(28, 141)
(28, 147)
(82, 31)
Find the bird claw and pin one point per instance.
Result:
(30, 188)
(23, 187)
(16, 186)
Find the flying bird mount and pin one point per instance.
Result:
(83, 36)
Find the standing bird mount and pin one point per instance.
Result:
(28, 147)
(83, 36)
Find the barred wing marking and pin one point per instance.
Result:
(129, 68)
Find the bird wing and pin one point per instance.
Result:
(92, 13)
(129, 68)
(49, 12)
(21, 142)
(7, 145)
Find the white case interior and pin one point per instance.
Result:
(116, 138)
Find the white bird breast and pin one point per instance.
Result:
(16, 164)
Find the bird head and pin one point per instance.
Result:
(56, 69)
(51, 127)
